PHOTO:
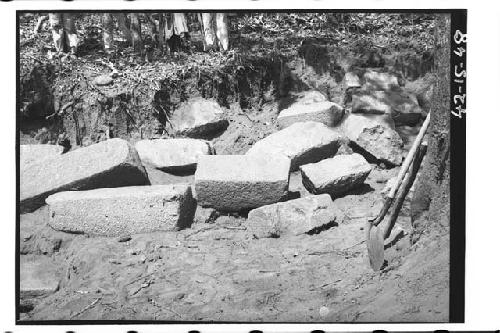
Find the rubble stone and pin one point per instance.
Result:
(173, 155)
(198, 118)
(110, 163)
(292, 217)
(375, 138)
(380, 81)
(122, 211)
(239, 182)
(326, 112)
(34, 153)
(336, 175)
(305, 142)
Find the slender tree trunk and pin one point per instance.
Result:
(56, 27)
(108, 30)
(135, 27)
(222, 30)
(124, 25)
(70, 32)
(432, 190)
(161, 31)
(207, 26)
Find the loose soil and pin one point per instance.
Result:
(221, 272)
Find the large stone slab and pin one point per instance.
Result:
(423, 89)
(351, 80)
(292, 217)
(336, 175)
(111, 163)
(240, 182)
(34, 153)
(198, 118)
(403, 107)
(372, 102)
(38, 276)
(305, 142)
(326, 112)
(122, 211)
(374, 138)
(173, 155)
(311, 97)
(380, 81)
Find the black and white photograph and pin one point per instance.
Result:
(240, 166)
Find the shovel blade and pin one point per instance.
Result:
(375, 244)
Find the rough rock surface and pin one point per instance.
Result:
(325, 112)
(380, 81)
(295, 185)
(293, 217)
(423, 88)
(305, 142)
(239, 182)
(122, 211)
(205, 215)
(311, 97)
(37, 237)
(351, 80)
(373, 102)
(111, 163)
(34, 153)
(375, 138)
(405, 108)
(402, 106)
(38, 276)
(198, 118)
(336, 175)
(173, 155)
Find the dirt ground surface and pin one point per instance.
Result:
(221, 272)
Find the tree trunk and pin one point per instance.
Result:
(222, 30)
(108, 27)
(430, 207)
(135, 27)
(207, 27)
(124, 25)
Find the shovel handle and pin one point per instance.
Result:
(404, 168)
(409, 157)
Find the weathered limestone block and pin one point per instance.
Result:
(326, 112)
(373, 102)
(122, 211)
(403, 107)
(34, 153)
(292, 217)
(311, 97)
(380, 81)
(303, 143)
(351, 80)
(111, 163)
(198, 118)
(173, 155)
(336, 175)
(375, 138)
(239, 182)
